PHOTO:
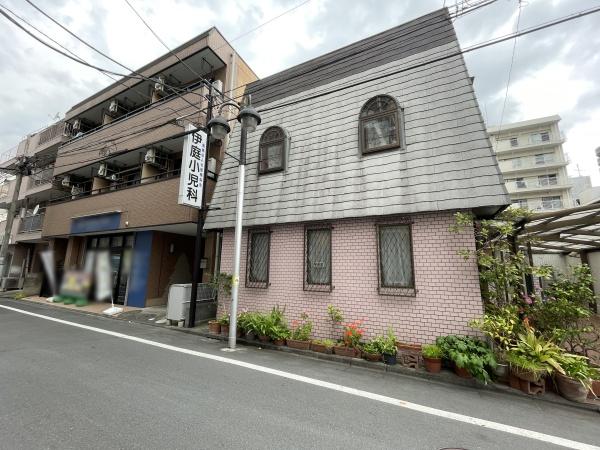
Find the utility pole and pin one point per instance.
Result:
(199, 243)
(22, 167)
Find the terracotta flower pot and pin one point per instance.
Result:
(264, 338)
(595, 390)
(371, 356)
(319, 348)
(433, 365)
(214, 327)
(224, 330)
(344, 351)
(250, 335)
(462, 372)
(300, 345)
(279, 342)
(571, 389)
(239, 332)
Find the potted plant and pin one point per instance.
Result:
(576, 381)
(471, 356)
(262, 327)
(388, 348)
(595, 389)
(224, 322)
(432, 357)
(248, 323)
(349, 346)
(214, 327)
(279, 334)
(371, 350)
(502, 325)
(532, 357)
(300, 334)
(322, 345)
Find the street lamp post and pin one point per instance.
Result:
(249, 120)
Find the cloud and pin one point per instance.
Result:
(555, 70)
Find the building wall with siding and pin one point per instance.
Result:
(448, 293)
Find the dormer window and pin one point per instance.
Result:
(272, 149)
(380, 125)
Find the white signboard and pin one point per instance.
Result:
(191, 182)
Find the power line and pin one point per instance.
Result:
(450, 55)
(161, 41)
(172, 88)
(512, 61)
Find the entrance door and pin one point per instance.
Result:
(115, 264)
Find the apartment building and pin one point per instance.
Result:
(115, 172)
(36, 190)
(532, 161)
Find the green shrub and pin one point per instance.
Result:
(468, 353)
(301, 329)
(329, 343)
(535, 354)
(432, 351)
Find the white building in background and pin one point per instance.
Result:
(581, 185)
(532, 160)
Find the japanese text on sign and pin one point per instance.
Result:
(191, 182)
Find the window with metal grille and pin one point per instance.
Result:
(317, 271)
(381, 125)
(395, 258)
(257, 266)
(272, 148)
(554, 202)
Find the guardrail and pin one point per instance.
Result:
(31, 223)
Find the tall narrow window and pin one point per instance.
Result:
(272, 150)
(257, 267)
(395, 257)
(380, 124)
(317, 273)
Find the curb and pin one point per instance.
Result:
(444, 377)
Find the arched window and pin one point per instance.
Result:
(380, 124)
(272, 149)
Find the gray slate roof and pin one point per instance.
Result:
(448, 162)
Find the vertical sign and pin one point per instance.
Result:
(191, 182)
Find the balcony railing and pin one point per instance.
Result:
(190, 87)
(31, 223)
(41, 177)
(116, 186)
(58, 129)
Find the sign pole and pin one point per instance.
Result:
(199, 243)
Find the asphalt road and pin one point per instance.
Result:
(64, 387)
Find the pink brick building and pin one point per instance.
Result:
(362, 158)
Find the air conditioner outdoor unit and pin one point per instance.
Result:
(159, 86)
(114, 106)
(66, 181)
(103, 170)
(150, 156)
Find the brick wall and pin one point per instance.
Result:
(448, 288)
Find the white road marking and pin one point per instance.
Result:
(333, 386)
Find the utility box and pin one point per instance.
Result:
(178, 303)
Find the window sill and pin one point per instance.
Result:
(397, 292)
(318, 287)
(257, 284)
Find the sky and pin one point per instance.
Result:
(555, 71)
